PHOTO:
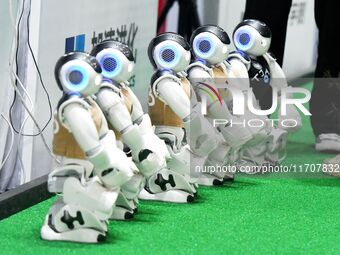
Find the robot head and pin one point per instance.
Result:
(252, 37)
(169, 51)
(210, 43)
(78, 72)
(116, 60)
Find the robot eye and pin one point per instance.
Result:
(244, 39)
(109, 64)
(168, 55)
(204, 46)
(76, 77)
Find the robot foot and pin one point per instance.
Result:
(80, 235)
(172, 196)
(229, 178)
(210, 180)
(120, 213)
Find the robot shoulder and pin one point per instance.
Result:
(269, 57)
(198, 64)
(159, 74)
(241, 56)
(109, 86)
(163, 76)
(271, 54)
(69, 99)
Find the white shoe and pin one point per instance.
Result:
(333, 166)
(328, 143)
(121, 213)
(80, 235)
(171, 196)
(209, 180)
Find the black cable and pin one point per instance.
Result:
(39, 74)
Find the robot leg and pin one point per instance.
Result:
(218, 168)
(81, 214)
(127, 201)
(254, 157)
(277, 147)
(153, 165)
(182, 159)
(80, 169)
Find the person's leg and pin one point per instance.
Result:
(275, 15)
(325, 102)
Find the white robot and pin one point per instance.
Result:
(94, 173)
(125, 114)
(252, 39)
(211, 71)
(176, 113)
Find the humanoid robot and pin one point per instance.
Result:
(210, 70)
(94, 173)
(252, 40)
(176, 113)
(125, 115)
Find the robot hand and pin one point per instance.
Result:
(112, 166)
(138, 137)
(155, 143)
(201, 135)
(146, 154)
(292, 121)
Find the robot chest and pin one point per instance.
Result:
(127, 100)
(259, 72)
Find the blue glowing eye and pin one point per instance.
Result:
(76, 77)
(168, 55)
(204, 46)
(244, 39)
(109, 64)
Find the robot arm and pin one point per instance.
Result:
(241, 73)
(79, 121)
(218, 110)
(202, 81)
(132, 135)
(239, 65)
(279, 80)
(143, 121)
(137, 112)
(114, 109)
(170, 91)
(292, 120)
(200, 134)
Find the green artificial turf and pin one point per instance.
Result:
(291, 215)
